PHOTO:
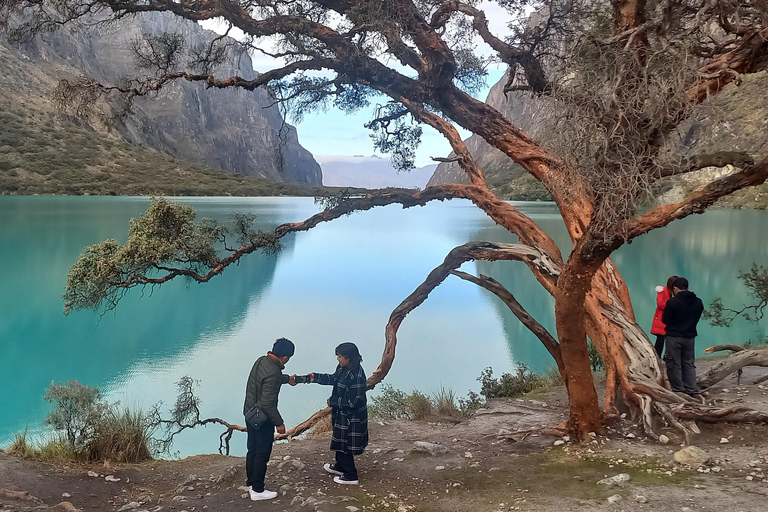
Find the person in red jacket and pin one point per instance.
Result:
(664, 293)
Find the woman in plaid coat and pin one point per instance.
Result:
(350, 412)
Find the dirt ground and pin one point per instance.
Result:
(504, 458)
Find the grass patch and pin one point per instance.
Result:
(393, 403)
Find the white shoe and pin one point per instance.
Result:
(343, 480)
(331, 468)
(263, 495)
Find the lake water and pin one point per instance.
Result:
(337, 282)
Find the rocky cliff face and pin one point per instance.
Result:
(231, 129)
(504, 176)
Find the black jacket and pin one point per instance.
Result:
(682, 314)
(263, 387)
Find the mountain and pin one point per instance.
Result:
(736, 111)
(228, 129)
(370, 172)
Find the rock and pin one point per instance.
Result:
(630, 436)
(615, 498)
(692, 456)
(724, 440)
(559, 442)
(615, 480)
(66, 506)
(663, 439)
(433, 449)
(641, 499)
(129, 506)
(352, 509)
(226, 476)
(111, 478)
(66, 495)
(191, 479)
(439, 468)
(468, 455)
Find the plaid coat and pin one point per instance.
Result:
(350, 408)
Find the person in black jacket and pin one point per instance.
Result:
(263, 386)
(349, 412)
(681, 315)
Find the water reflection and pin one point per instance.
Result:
(338, 282)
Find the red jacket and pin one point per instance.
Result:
(658, 326)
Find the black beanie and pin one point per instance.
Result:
(349, 350)
(283, 347)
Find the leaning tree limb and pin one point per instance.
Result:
(495, 287)
(489, 251)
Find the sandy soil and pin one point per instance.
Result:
(504, 458)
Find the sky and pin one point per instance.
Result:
(333, 133)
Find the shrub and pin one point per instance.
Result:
(78, 410)
(595, 361)
(510, 385)
(390, 403)
(93, 429)
(393, 403)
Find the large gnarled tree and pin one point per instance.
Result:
(619, 77)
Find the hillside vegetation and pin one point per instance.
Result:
(42, 152)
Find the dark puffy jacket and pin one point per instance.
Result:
(682, 314)
(263, 387)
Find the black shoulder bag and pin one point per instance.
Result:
(255, 417)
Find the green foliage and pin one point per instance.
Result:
(53, 154)
(78, 410)
(756, 282)
(166, 234)
(394, 135)
(391, 403)
(92, 429)
(595, 361)
(511, 385)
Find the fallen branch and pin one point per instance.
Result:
(734, 363)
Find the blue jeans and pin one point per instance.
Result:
(681, 367)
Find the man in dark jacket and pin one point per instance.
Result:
(681, 315)
(263, 387)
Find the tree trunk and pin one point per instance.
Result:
(570, 319)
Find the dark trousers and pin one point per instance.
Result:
(659, 345)
(345, 462)
(681, 368)
(259, 450)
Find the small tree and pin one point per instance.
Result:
(78, 411)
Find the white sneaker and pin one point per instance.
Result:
(331, 468)
(344, 480)
(263, 495)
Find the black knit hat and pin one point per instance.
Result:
(681, 283)
(349, 350)
(283, 347)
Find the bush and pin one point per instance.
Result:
(92, 429)
(77, 411)
(393, 403)
(510, 385)
(595, 361)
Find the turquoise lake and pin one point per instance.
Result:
(337, 282)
